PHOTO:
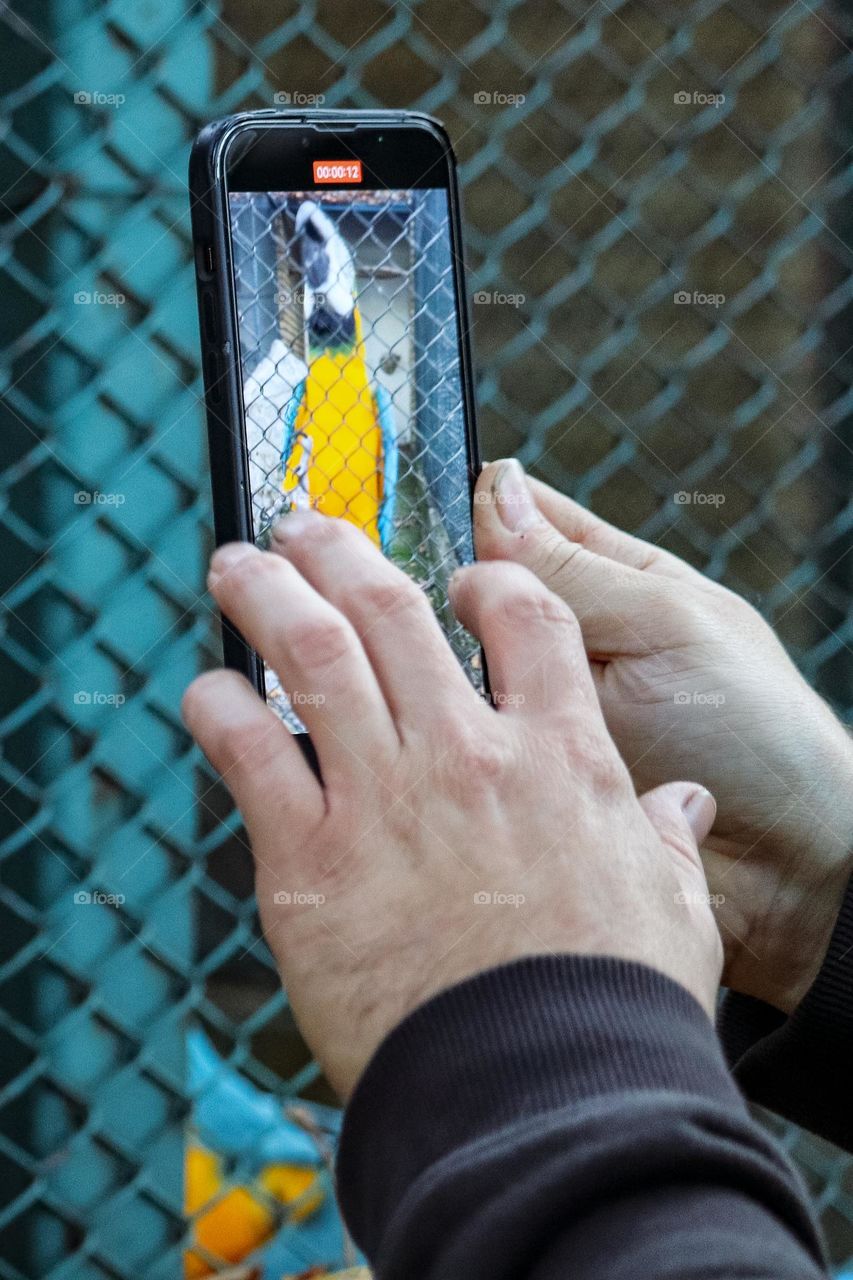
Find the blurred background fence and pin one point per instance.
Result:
(658, 223)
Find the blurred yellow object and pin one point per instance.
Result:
(239, 1218)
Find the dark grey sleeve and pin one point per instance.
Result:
(566, 1117)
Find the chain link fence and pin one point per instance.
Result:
(657, 218)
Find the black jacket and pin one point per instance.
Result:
(574, 1118)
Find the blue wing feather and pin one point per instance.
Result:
(288, 419)
(390, 465)
(235, 1118)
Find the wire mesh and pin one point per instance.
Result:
(657, 217)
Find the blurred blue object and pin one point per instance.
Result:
(318, 1240)
(236, 1119)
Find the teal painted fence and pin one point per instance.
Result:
(657, 214)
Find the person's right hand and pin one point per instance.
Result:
(435, 841)
(694, 683)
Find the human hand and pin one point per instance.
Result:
(430, 798)
(693, 681)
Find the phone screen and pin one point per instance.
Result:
(348, 322)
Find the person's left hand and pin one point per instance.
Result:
(690, 677)
(446, 837)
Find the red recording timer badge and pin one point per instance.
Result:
(337, 171)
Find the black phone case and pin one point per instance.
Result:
(220, 349)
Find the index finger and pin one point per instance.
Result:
(412, 660)
(532, 640)
(315, 652)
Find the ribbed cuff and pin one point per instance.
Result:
(531, 1037)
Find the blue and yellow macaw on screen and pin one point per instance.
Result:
(339, 451)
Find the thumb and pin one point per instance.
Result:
(683, 814)
(617, 606)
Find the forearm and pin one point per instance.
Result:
(565, 1115)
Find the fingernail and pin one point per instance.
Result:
(700, 810)
(511, 493)
(294, 523)
(227, 558)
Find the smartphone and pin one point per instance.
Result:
(335, 342)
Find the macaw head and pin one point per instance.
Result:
(321, 255)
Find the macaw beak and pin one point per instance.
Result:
(304, 214)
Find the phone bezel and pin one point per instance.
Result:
(267, 139)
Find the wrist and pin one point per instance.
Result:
(814, 856)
